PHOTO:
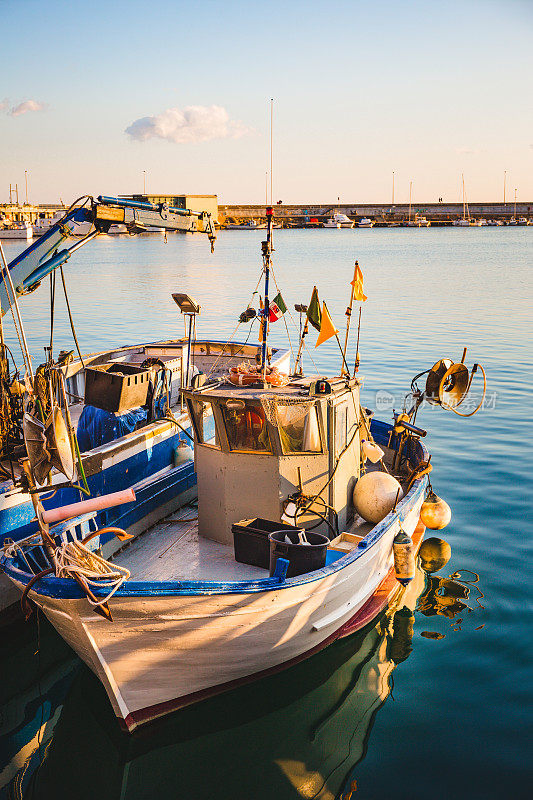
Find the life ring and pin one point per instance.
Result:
(247, 375)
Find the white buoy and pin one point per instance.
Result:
(404, 558)
(374, 495)
(372, 451)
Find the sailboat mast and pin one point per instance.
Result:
(463, 180)
(410, 195)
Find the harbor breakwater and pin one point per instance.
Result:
(435, 212)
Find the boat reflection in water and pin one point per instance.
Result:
(297, 734)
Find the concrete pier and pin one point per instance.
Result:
(439, 213)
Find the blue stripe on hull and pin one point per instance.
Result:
(19, 521)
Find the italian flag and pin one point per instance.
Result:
(277, 308)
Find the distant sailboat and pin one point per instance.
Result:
(465, 221)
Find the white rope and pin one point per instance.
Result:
(73, 558)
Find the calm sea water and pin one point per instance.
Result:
(454, 718)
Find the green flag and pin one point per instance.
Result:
(314, 314)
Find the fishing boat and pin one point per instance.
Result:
(308, 509)
(20, 230)
(112, 419)
(313, 723)
(365, 222)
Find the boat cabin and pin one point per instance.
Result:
(257, 448)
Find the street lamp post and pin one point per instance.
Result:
(26, 178)
(393, 187)
(144, 181)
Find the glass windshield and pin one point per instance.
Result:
(246, 427)
(298, 429)
(203, 421)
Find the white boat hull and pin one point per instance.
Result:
(166, 651)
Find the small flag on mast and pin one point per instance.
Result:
(357, 284)
(327, 328)
(313, 310)
(277, 308)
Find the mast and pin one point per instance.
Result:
(266, 250)
(410, 194)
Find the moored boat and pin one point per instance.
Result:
(22, 230)
(307, 510)
(117, 413)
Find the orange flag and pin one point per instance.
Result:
(357, 284)
(327, 328)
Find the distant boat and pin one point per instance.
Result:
(465, 222)
(339, 221)
(512, 221)
(45, 224)
(418, 222)
(366, 222)
(481, 222)
(18, 231)
(252, 225)
(523, 221)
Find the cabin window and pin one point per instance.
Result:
(246, 426)
(298, 428)
(201, 414)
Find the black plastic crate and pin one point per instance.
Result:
(250, 540)
(116, 387)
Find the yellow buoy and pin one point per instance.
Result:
(374, 495)
(434, 554)
(435, 512)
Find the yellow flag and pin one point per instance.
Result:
(327, 328)
(357, 284)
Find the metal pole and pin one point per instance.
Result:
(144, 181)
(504, 182)
(348, 320)
(8, 281)
(267, 249)
(410, 195)
(187, 381)
(356, 367)
(515, 203)
(393, 187)
(26, 178)
(271, 148)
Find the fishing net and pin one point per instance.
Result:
(297, 426)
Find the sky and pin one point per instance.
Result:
(98, 97)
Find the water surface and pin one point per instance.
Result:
(458, 721)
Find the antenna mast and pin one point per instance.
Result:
(266, 251)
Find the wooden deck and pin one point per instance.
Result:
(173, 550)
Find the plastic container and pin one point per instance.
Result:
(107, 389)
(302, 557)
(250, 540)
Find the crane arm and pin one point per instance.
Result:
(47, 254)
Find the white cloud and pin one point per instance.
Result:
(26, 106)
(190, 124)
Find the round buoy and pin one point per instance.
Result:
(372, 451)
(435, 512)
(374, 495)
(434, 554)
